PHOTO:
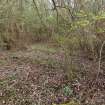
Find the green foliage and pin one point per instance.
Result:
(81, 14)
(100, 16)
(100, 30)
(67, 91)
(51, 19)
(80, 24)
(39, 20)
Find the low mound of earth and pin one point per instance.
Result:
(37, 77)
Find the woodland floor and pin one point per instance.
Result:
(36, 76)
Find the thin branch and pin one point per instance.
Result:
(100, 57)
(38, 12)
(55, 8)
(72, 17)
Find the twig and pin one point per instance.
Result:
(100, 57)
(36, 7)
(55, 8)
